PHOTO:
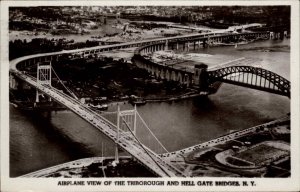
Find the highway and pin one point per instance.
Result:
(103, 48)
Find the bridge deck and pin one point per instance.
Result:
(127, 142)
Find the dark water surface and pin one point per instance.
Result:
(37, 142)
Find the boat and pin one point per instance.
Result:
(134, 100)
(231, 43)
(139, 102)
(101, 107)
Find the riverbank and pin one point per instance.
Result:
(94, 167)
(160, 99)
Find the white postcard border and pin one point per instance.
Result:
(50, 184)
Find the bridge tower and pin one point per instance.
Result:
(271, 35)
(43, 77)
(201, 76)
(118, 136)
(125, 120)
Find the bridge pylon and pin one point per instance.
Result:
(130, 117)
(201, 76)
(118, 136)
(43, 77)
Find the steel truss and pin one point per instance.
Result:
(268, 81)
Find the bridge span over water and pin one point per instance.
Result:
(130, 144)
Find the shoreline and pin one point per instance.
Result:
(180, 97)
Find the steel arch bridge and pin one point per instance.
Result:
(252, 77)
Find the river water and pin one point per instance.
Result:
(37, 142)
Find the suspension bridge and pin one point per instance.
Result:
(126, 140)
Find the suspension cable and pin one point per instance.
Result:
(155, 136)
(73, 94)
(151, 132)
(144, 147)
